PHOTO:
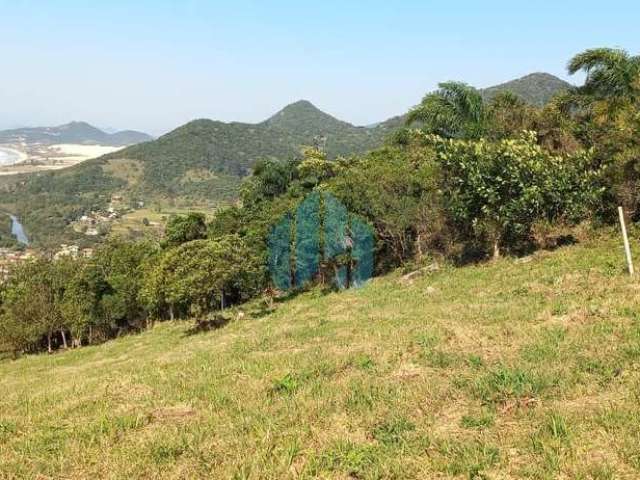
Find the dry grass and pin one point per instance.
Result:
(132, 224)
(505, 370)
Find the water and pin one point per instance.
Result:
(17, 230)
(8, 156)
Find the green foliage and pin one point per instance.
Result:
(396, 190)
(47, 302)
(606, 117)
(201, 275)
(611, 73)
(185, 228)
(455, 110)
(270, 179)
(122, 265)
(32, 304)
(499, 190)
(7, 240)
(85, 313)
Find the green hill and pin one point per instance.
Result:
(232, 148)
(515, 369)
(536, 88)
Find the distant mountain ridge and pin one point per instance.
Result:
(74, 132)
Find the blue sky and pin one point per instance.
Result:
(153, 65)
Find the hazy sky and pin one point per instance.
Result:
(153, 65)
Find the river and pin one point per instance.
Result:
(17, 230)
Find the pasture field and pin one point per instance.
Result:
(520, 368)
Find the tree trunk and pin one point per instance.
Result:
(171, 315)
(64, 339)
(419, 247)
(496, 249)
(49, 349)
(222, 300)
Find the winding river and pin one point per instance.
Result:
(17, 230)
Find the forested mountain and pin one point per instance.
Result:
(535, 88)
(74, 132)
(233, 147)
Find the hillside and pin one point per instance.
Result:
(536, 88)
(516, 369)
(75, 133)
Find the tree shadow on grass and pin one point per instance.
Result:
(214, 322)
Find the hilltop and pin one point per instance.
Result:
(74, 133)
(515, 369)
(535, 88)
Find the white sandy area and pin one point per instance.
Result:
(38, 158)
(81, 152)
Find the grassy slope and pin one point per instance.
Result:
(516, 370)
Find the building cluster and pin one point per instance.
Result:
(96, 222)
(73, 251)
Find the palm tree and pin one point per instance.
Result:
(612, 74)
(608, 105)
(455, 110)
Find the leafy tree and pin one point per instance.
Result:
(315, 167)
(32, 300)
(509, 116)
(499, 190)
(84, 315)
(202, 275)
(121, 263)
(397, 191)
(270, 179)
(607, 119)
(185, 228)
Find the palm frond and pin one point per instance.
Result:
(597, 58)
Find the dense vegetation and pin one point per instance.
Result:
(7, 240)
(200, 163)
